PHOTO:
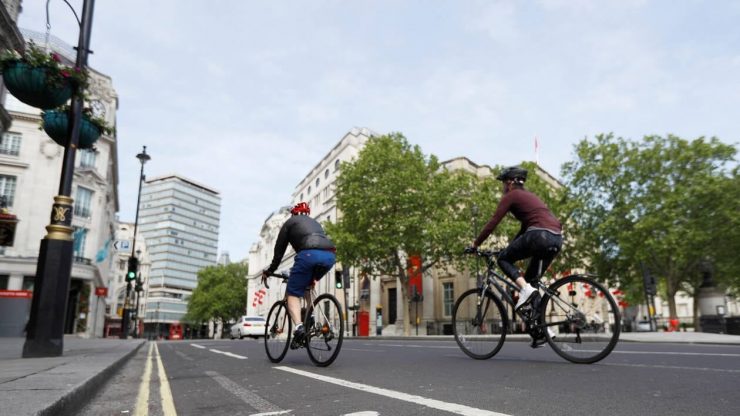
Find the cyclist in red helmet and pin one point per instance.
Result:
(315, 256)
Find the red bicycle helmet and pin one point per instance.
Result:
(301, 208)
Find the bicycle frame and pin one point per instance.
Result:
(494, 280)
(308, 297)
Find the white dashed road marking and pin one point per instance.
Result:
(411, 398)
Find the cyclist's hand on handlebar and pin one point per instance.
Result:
(265, 275)
(470, 250)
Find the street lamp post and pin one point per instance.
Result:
(45, 330)
(138, 288)
(133, 260)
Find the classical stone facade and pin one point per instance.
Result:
(10, 38)
(30, 170)
(318, 189)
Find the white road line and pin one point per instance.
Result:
(708, 354)
(241, 357)
(411, 398)
(183, 355)
(142, 400)
(248, 397)
(168, 405)
(673, 367)
(198, 346)
(418, 346)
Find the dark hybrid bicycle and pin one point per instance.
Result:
(575, 315)
(322, 319)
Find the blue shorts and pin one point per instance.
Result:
(309, 265)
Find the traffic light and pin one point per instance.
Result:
(133, 267)
(338, 279)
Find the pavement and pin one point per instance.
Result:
(61, 385)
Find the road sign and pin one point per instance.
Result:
(122, 245)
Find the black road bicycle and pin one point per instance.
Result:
(322, 320)
(575, 315)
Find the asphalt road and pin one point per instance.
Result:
(413, 377)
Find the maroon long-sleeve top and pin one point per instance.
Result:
(527, 208)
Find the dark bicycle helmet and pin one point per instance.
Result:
(513, 173)
(301, 208)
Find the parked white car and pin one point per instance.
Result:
(643, 326)
(248, 326)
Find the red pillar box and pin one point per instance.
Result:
(363, 323)
(674, 324)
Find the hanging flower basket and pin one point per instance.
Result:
(56, 125)
(31, 85)
(40, 79)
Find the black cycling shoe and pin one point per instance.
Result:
(542, 340)
(299, 337)
(538, 342)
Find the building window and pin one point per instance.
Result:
(87, 158)
(4, 281)
(10, 144)
(326, 173)
(309, 191)
(79, 236)
(83, 200)
(317, 183)
(301, 197)
(7, 189)
(448, 294)
(28, 282)
(336, 165)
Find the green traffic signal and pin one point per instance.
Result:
(338, 279)
(133, 266)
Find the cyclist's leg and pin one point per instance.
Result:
(324, 260)
(519, 249)
(545, 246)
(300, 278)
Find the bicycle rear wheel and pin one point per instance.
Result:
(325, 330)
(277, 332)
(480, 332)
(584, 318)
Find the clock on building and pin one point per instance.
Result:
(98, 108)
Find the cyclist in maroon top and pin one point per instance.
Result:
(539, 236)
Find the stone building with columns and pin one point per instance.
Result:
(30, 170)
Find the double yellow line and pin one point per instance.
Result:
(142, 400)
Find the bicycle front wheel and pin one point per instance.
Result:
(480, 330)
(277, 332)
(324, 330)
(583, 317)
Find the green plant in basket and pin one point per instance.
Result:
(40, 78)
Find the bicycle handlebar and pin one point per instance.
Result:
(481, 253)
(278, 275)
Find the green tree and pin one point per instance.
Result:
(396, 202)
(665, 202)
(221, 293)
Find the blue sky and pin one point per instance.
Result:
(247, 96)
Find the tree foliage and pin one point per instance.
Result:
(396, 202)
(221, 293)
(665, 202)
